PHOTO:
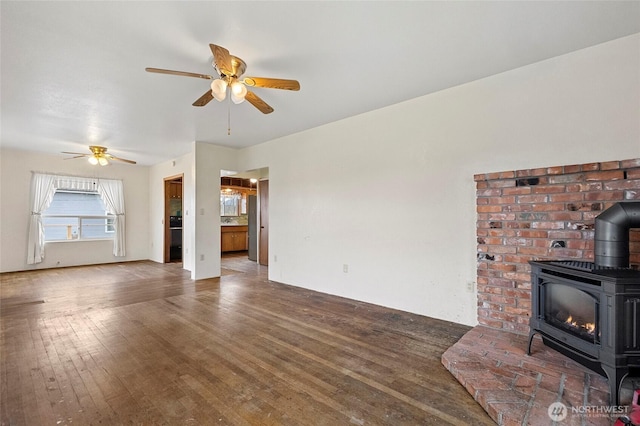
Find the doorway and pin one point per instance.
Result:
(253, 218)
(173, 219)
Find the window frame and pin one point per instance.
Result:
(78, 226)
(109, 223)
(235, 200)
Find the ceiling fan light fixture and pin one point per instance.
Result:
(98, 156)
(238, 89)
(236, 99)
(219, 89)
(238, 92)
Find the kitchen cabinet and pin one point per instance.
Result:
(237, 182)
(234, 238)
(175, 189)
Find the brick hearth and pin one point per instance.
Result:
(517, 389)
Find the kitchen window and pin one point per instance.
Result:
(230, 202)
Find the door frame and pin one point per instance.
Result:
(166, 221)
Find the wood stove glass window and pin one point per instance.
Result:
(572, 310)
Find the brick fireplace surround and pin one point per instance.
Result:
(534, 214)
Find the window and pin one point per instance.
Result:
(229, 203)
(77, 215)
(107, 194)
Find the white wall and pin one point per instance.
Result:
(209, 161)
(15, 184)
(391, 193)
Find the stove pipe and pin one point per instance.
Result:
(612, 234)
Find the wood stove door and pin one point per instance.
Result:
(572, 310)
(568, 311)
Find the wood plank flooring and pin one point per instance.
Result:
(142, 343)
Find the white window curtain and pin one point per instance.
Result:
(42, 190)
(113, 197)
(43, 187)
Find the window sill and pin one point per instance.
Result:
(85, 240)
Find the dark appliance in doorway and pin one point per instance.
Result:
(590, 311)
(175, 247)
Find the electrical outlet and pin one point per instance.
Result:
(275, 257)
(202, 257)
(345, 268)
(471, 286)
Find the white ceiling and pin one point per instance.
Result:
(73, 75)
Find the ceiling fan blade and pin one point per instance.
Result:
(181, 73)
(222, 58)
(272, 83)
(111, 157)
(77, 156)
(74, 153)
(258, 103)
(204, 99)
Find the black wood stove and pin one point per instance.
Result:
(591, 311)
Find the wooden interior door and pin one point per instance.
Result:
(263, 253)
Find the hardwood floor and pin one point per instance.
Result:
(142, 343)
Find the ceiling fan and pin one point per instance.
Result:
(98, 156)
(230, 68)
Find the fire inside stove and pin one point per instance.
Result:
(576, 326)
(573, 311)
(588, 327)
